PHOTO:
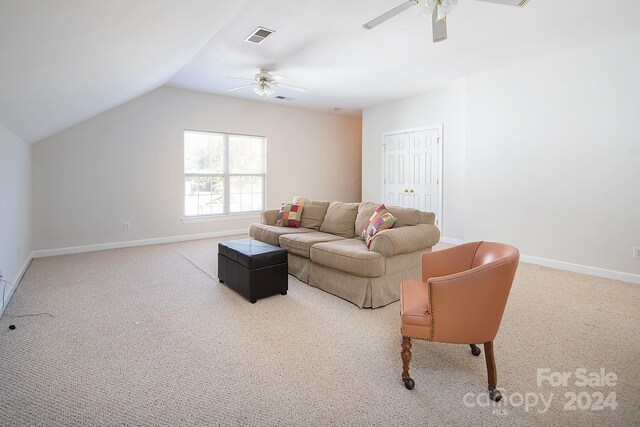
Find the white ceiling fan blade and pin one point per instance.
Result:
(520, 3)
(239, 78)
(439, 27)
(390, 14)
(288, 86)
(241, 87)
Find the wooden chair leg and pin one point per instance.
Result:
(494, 394)
(475, 350)
(406, 358)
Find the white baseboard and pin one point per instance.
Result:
(584, 269)
(9, 289)
(568, 266)
(117, 245)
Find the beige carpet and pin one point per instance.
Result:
(147, 336)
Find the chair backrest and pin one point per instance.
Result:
(491, 251)
(467, 307)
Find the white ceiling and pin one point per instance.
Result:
(65, 61)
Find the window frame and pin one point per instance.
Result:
(226, 177)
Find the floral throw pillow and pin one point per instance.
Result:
(290, 215)
(380, 220)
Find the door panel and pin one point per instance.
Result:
(412, 170)
(425, 170)
(396, 169)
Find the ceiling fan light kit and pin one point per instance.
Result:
(263, 89)
(437, 9)
(265, 84)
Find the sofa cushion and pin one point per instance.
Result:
(300, 244)
(381, 219)
(365, 210)
(290, 215)
(350, 256)
(405, 216)
(340, 219)
(271, 233)
(313, 213)
(269, 217)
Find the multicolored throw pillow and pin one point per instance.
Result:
(290, 215)
(380, 220)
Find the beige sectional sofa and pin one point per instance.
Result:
(328, 252)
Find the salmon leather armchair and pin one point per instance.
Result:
(460, 300)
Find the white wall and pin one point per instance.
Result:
(127, 165)
(15, 210)
(446, 106)
(552, 154)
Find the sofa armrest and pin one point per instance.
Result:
(269, 216)
(403, 240)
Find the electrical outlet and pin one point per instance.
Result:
(126, 226)
(636, 253)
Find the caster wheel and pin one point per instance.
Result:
(284, 293)
(495, 395)
(475, 350)
(409, 384)
(253, 301)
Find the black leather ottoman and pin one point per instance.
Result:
(252, 268)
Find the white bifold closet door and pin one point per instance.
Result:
(412, 170)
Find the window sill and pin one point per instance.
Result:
(216, 218)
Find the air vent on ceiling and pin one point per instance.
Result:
(259, 35)
(284, 98)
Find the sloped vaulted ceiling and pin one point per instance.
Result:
(64, 61)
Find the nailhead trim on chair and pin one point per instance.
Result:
(433, 326)
(416, 338)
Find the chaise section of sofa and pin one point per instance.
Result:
(328, 251)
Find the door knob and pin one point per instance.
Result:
(406, 190)
(411, 191)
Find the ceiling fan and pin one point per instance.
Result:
(265, 82)
(438, 9)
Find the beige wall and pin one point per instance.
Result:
(546, 155)
(15, 209)
(126, 165)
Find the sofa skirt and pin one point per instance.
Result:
(299, 267)
(365, 292)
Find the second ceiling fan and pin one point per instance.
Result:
(438, 9)
(265, 82)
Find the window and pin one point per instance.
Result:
(223, 173)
